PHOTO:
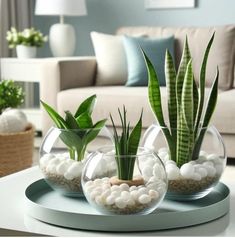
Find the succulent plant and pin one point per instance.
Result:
(11, 95)
(188, 117)
(78, 130)
(126, 146)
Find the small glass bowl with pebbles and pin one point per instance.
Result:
(113, 196)
(61, 164)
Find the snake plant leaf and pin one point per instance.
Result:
(195, 101)
(94, 131)
(71, 120)
(154, 92)
(58, 120)
(212, 100)
(202, 82)
(170, 75)
(84, 120)
(187, 96)
(186, 56)
(134, 138)
(86, 106)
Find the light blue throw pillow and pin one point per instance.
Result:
(155, 49)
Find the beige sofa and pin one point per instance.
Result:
(68, 82)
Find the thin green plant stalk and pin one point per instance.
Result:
(126, 145)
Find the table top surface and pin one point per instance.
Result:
(13, 218)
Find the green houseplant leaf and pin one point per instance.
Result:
(58, 120)
(77, 132)
(86, 106)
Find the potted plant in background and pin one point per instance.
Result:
(192, 150)
(16, 134)
(125, 179)
(63, 152)
(25, 42)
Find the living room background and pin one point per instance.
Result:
(108, 15)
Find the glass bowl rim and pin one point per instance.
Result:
(109, 148)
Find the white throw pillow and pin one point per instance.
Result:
(111, 59)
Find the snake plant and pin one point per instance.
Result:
(188, 117)
(78, 130)
(126, 146)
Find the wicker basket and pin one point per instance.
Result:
(16, 151)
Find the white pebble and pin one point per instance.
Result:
(142, 191)
(196, 176)
(110, 200)
(120, 203)
(68, 176)
(208, 163)
(99, 200)
(115, 188)
(132, 188)
(93, 195)
(51, 168)
(61, 168)
(97, 182)
(157, 171)
(173, 173)
(75, 169)
(153, 194)
(130, 202)
(134, 194)
(106, 187)
(124, 187)
(187, 170)
(211, 171)
(147, 171)
(54, 161)
(202, 172)
(125, 195)
(201, 159)
(105, 180)
(88, 184)
(150, 162)
(144, 199)
(115, 194)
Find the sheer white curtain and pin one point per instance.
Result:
(16, 13)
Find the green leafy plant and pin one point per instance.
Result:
(187, 116)
(78, 130)
(126, 146)
(11, 95)
(28, 37)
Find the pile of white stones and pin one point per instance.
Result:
(61, 164)
(124, 199)
(207, 165)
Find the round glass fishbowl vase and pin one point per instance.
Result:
(63, 155)
(194, 164)
(109, 194)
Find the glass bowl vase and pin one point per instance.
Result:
(192, 172)
(109, 194)
(63, 155)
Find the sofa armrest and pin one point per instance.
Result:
(63, 73)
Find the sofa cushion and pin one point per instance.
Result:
(111, 59)
(224, 115)
(155, 49)
(222, 52)
(136, 98)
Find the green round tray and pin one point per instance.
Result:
(48, 206)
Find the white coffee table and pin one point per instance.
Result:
(13, 220)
